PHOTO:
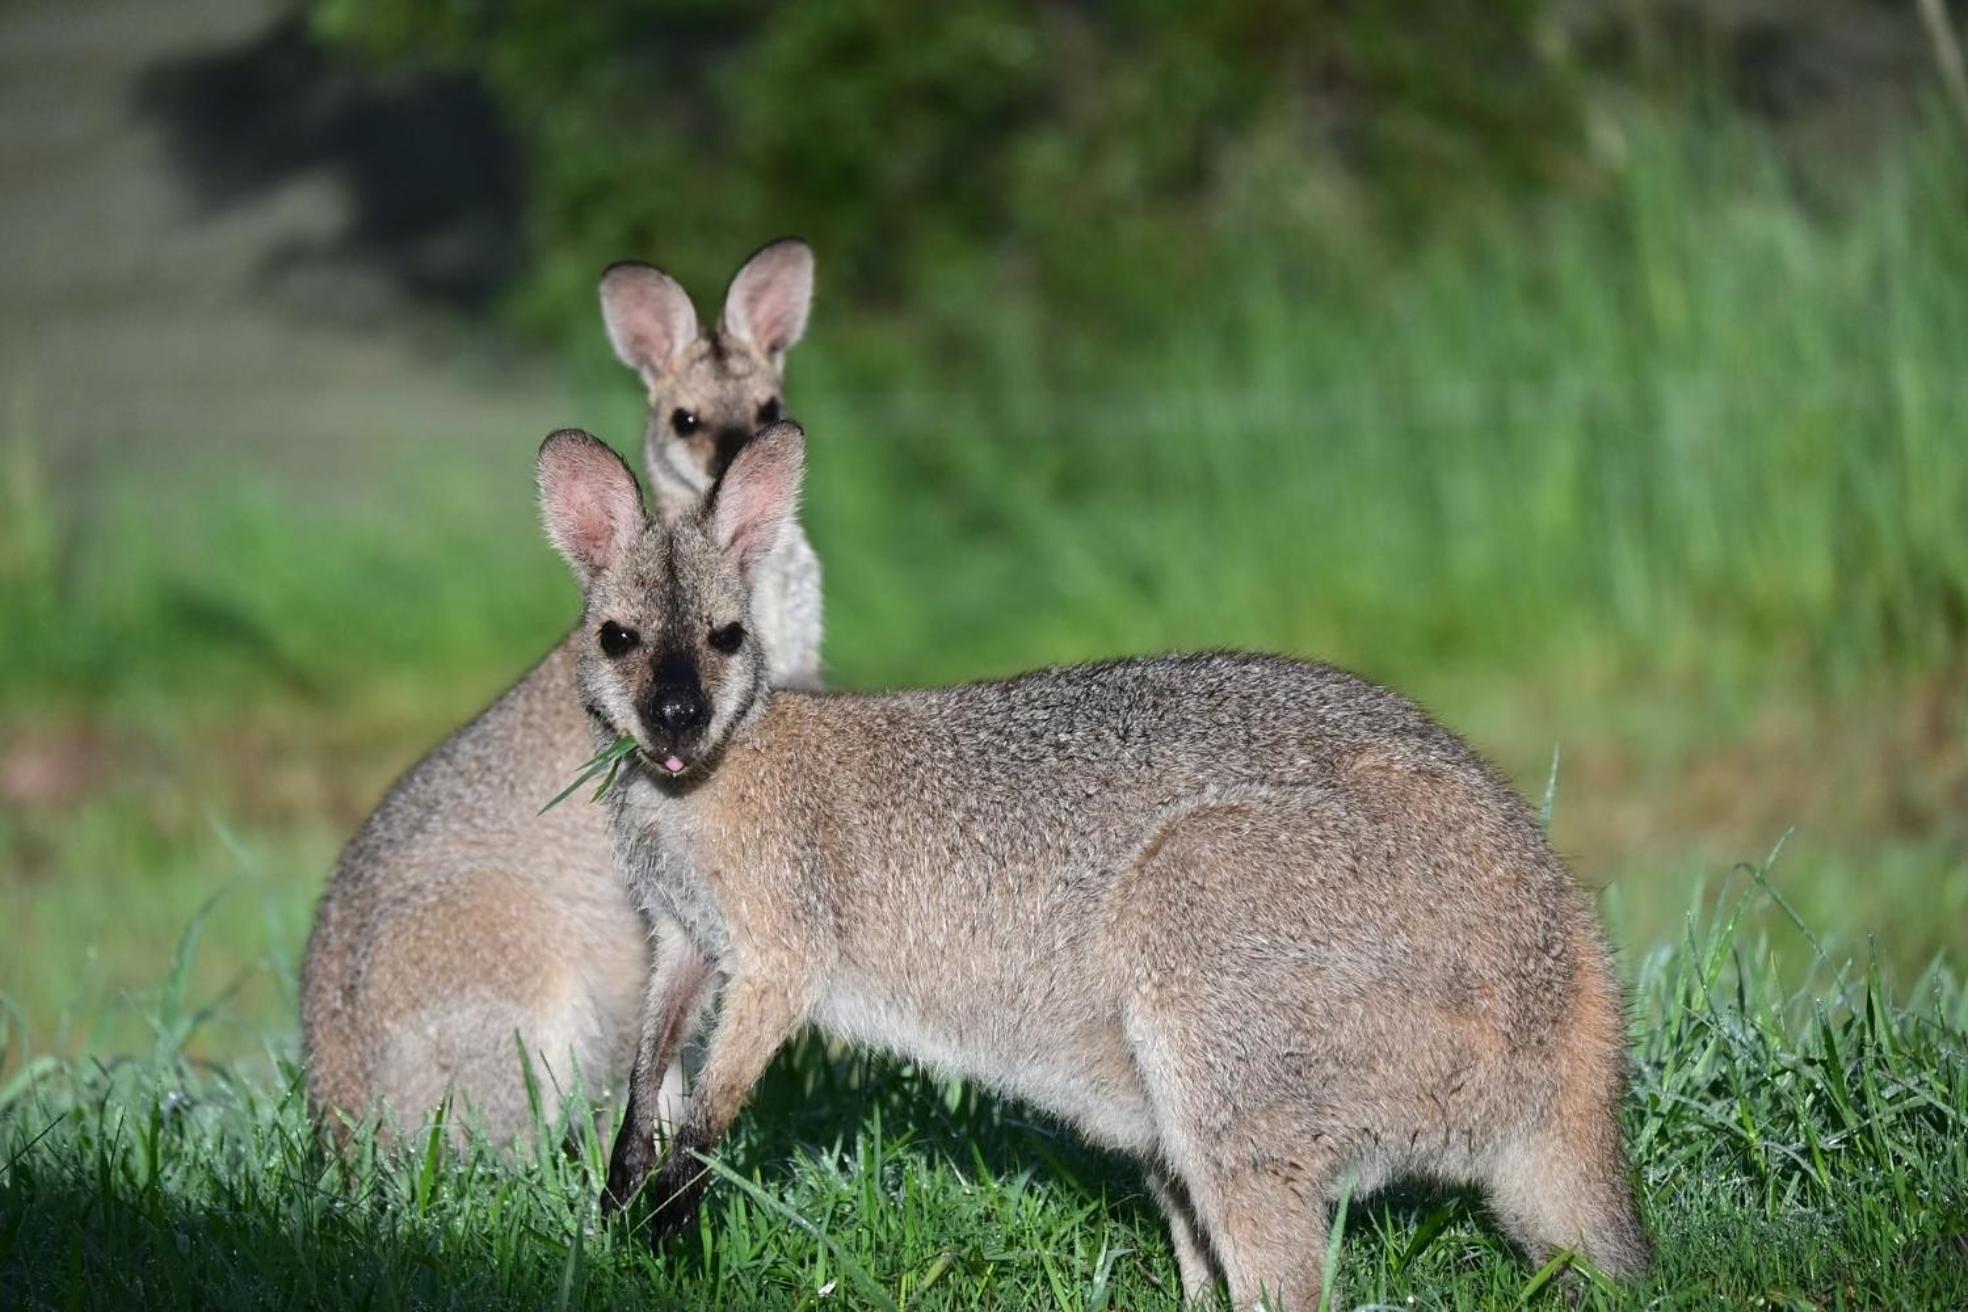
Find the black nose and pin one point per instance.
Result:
(730, 441)
(678, 709)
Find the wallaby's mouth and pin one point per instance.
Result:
(668, 762)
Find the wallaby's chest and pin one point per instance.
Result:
(665, 877)
(690, 902)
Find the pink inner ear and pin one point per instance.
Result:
(759, 494)
(770, 296)
(648, 315)
(587, 525)
(592, 507)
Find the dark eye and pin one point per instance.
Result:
(769, 412)
(728, 638)
(684, 421)
(616, 640)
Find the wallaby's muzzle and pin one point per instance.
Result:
(730, 441)
(674, 714)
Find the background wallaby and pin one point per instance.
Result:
(1261, 923)
(462, 924)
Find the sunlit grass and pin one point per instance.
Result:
(1792, 1148)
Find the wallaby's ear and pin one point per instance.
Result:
(648, 314)
(589, 501)
(759, 494)
(769, 297)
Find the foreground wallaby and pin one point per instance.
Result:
(1259, 922)
(462, 925)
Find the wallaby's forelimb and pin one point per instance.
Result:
(757, 1016)
(677, 991)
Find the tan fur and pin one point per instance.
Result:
(1260, 923)
(461, 925)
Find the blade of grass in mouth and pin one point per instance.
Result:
(606, 763)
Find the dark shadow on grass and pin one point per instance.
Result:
(813, 1099)
(251, 1212)
(814, 1103)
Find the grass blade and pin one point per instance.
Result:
(606, 762)
(854, 1271)
(1550, 801)
(1330, 1276)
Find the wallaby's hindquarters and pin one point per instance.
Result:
(1437, 1003)
(450, 940)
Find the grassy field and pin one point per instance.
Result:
(1795, 1149)
(1671, 479)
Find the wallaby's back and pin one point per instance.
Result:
(1032, 792)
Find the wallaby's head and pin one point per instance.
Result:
(709, 391)
(670, 654)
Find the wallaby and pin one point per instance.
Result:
(462, 927)
(1261, 923)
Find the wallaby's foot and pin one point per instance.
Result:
(674, 1196)
(628, 1167)
(670, 1192)
(678, 1188)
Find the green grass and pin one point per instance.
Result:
(1793, 1149)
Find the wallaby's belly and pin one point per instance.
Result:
(1071, 1062)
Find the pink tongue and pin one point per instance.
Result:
(673, 764)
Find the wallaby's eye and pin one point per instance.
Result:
(728, 638)
(615, 640)
(769, 412)
(684, 421)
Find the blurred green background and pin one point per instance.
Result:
(1593, 371)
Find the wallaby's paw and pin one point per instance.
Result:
(674, 1196)
(628, 1167)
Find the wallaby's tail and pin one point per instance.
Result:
(1564, 1183)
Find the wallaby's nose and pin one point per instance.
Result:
(730, 441)
(679, 709)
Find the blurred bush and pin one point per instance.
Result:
(1073, 147)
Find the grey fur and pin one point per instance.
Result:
(1260, 923)
(461, 925)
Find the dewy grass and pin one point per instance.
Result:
(606, 764)
(1793, 1148)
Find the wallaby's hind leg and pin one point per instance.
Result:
(1257, 1183)
(465, 979)
(1229, 1106)
(1263, 1207)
